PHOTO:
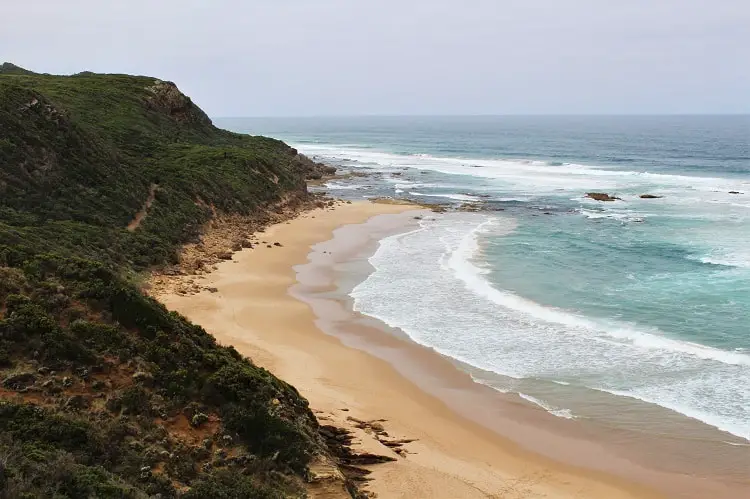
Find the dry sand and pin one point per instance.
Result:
(452, 456)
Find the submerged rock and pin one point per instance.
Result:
(650, 196)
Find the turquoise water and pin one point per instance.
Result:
(640, 298)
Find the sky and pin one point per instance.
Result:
(403, 57)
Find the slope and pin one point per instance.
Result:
(103, 392)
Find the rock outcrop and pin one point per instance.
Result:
(168, 99)
(313, 170)
(601, 196)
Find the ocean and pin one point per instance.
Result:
(576, 305)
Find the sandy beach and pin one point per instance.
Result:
(448, 454)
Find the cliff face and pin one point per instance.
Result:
(103, 392)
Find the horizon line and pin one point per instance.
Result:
(484, 115)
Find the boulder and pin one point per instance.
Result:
(601, 196)
(649, 196)
(735, 192)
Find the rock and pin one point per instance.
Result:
(246, 243)
(470, 207)
(269, 246)
(19, 381)
(212, 290)
(735, 192)
(224, 255)
(237, 246)
(277, 244)
(167, 98)
(601, 196)
(649, 196)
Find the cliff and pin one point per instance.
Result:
(103, 392)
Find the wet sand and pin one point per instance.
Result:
(469, 440)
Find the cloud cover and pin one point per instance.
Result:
(346, 57)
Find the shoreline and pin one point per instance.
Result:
(318, 343)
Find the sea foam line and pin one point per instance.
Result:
(504, 168)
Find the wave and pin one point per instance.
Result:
(455, 197)
(532, 174)
(612, 215)
(336, 186)
(722, 263)
(472, 277)
(560, 413)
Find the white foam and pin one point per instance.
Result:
(456, 197)
(736, 444)
(560, 413)
(535, 176)
(620, 216)
(337, 186)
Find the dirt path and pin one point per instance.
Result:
(141, 215)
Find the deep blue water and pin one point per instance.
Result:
(642, 298)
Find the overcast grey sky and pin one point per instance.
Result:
(345, 57)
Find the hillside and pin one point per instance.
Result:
(103, 392)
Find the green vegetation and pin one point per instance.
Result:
(103, 392)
